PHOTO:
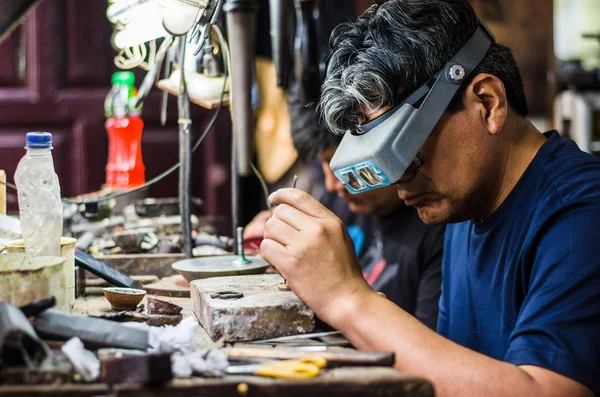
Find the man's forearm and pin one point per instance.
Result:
(371, 322)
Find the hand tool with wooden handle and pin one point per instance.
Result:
(341, 357)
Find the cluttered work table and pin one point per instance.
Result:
(349, 379)
(123, 313)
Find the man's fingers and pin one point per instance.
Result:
(300, 200)
(280, 231)
(292, 216)
(271, 251)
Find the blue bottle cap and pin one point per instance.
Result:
(38, 140)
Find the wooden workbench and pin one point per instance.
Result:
(343, 382)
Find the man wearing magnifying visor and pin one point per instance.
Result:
(428, 101)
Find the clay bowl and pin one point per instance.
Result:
(124, 298)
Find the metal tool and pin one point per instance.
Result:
(185, 155)
(283, 285)
(170, 58)
(207, 20)
(227, 295)
(104, 271)
(295, 337)
(302, 368)
(241, 258)
(150, 77)
(94, 332)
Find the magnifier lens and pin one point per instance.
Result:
(372, 177)
(352, 179)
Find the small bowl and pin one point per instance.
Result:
(124, 298)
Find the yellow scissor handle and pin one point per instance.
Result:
(319, 362)
(304, 368)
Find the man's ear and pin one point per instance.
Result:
(487, 93)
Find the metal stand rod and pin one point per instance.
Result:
(235, 196)
(241, 21)
(185, 158)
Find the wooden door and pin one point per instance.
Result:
(54, 75)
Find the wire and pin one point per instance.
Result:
(135, 56)
(263, 184)
(175, 166)
(10, 185)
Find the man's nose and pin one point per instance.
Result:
(408, 175)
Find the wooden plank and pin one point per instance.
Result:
(338, 382)
(170, 286)
(98, 282)
(70, 390)
(143, 264)
(2, 192)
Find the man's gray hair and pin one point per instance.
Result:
(393, 49)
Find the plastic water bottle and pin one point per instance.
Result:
(39, 197)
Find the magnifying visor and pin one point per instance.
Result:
(380, 151)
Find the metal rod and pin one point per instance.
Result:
(284, 286)
(241, 258)
(240, 241)
(150, 78)
(301, 336)
(241, 21)
(185, 158)
(235, 189)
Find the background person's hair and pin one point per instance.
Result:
(309, 132)
(395, 47)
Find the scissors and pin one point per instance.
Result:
(302, 368)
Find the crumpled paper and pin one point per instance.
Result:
(84, 361)
(169, 338)
(204, 362)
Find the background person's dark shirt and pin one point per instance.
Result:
(399, 255)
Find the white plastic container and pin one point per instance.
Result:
(39, 197)
(65, 298)
(25, 279)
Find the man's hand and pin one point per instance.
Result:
(256, 228)
(311, 248)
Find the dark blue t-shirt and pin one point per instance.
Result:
(524, 285)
